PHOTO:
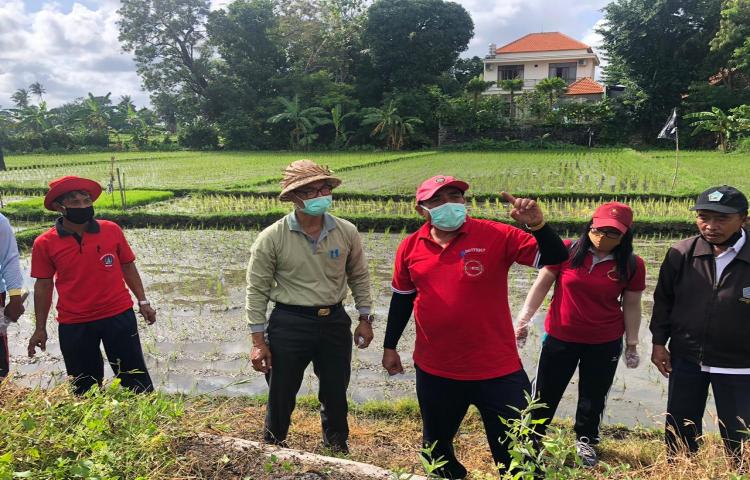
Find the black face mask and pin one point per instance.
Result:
(79, 216)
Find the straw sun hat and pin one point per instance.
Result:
(303, 172)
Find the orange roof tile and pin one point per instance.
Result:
(543, 42)
(585, 86)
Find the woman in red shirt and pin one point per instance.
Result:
(597, 299)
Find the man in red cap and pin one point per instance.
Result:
(453, 273)
(91, 265)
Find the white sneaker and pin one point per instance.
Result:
(586, 452)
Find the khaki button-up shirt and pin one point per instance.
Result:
(288, 266)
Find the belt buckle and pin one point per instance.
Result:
(324, 312)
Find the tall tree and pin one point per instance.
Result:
(302, 120)
(20, 98)
(388, 123)
(512, 86)
(477, 86)
(167, 39)
(552, 88)
(732, 41)
(37, 89)
(662, 46)
(322, 35)
(467, 68)
(246, 38)
(411, 42)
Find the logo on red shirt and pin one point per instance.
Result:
(108, 260)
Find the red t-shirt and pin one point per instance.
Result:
(88, 275)
(464, 325)
(586, 305)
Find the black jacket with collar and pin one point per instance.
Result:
(705, 320)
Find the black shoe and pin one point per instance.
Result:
(586, 452)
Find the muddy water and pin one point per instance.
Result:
(200, 342)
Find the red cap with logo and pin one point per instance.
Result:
(429, 187)
(613, 214)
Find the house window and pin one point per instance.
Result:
(509, 72)
(566, 71)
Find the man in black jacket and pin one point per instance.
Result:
(702, 308)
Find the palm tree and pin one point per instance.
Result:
(512, 86)
(34, 119)
(97, 117)
(553, 88)
(390, 124)
(303, 121)
(21, 98)
(338, 118)
(37, 89)
(476, 86)
(718, 122)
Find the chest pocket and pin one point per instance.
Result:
(104, 256)
(334, 259)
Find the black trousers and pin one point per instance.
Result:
(686, 403)
(80, 342)
(596, 365)
(4, 356)
(296, 339)
(443, 403)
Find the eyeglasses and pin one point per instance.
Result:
(606, 233)
(308, 193)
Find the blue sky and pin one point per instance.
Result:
(71, 46)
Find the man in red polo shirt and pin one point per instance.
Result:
(453, 273)
(91, 265)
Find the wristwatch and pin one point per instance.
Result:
(143, 302)
(369, 318)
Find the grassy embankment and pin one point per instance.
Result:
(115, 434)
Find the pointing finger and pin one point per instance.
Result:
(508, 197)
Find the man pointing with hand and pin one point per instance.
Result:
(453, 273)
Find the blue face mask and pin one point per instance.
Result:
(448, 216)
(317, 206)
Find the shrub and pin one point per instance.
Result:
(199, 135)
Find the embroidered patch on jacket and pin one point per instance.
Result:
(334, 253)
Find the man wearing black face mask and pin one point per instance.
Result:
(702, 308)
(91, 265)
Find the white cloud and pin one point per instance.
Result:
(70, 52)
(73, 49)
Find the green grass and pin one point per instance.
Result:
(191, 170)
(597, 171)
(133, 198)
(109, 435)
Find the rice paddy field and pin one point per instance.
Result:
(195, 276)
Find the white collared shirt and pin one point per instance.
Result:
(722, 260)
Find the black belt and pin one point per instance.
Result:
(324, 311)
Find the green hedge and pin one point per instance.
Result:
(34, 207)
(247, 221)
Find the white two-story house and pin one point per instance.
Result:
(537, 56)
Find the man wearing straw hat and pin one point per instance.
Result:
(303, 264)
(91, 265)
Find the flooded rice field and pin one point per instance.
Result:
(200, 343)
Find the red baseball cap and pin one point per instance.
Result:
(69, 183)
(429, 187)
(613, 214)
